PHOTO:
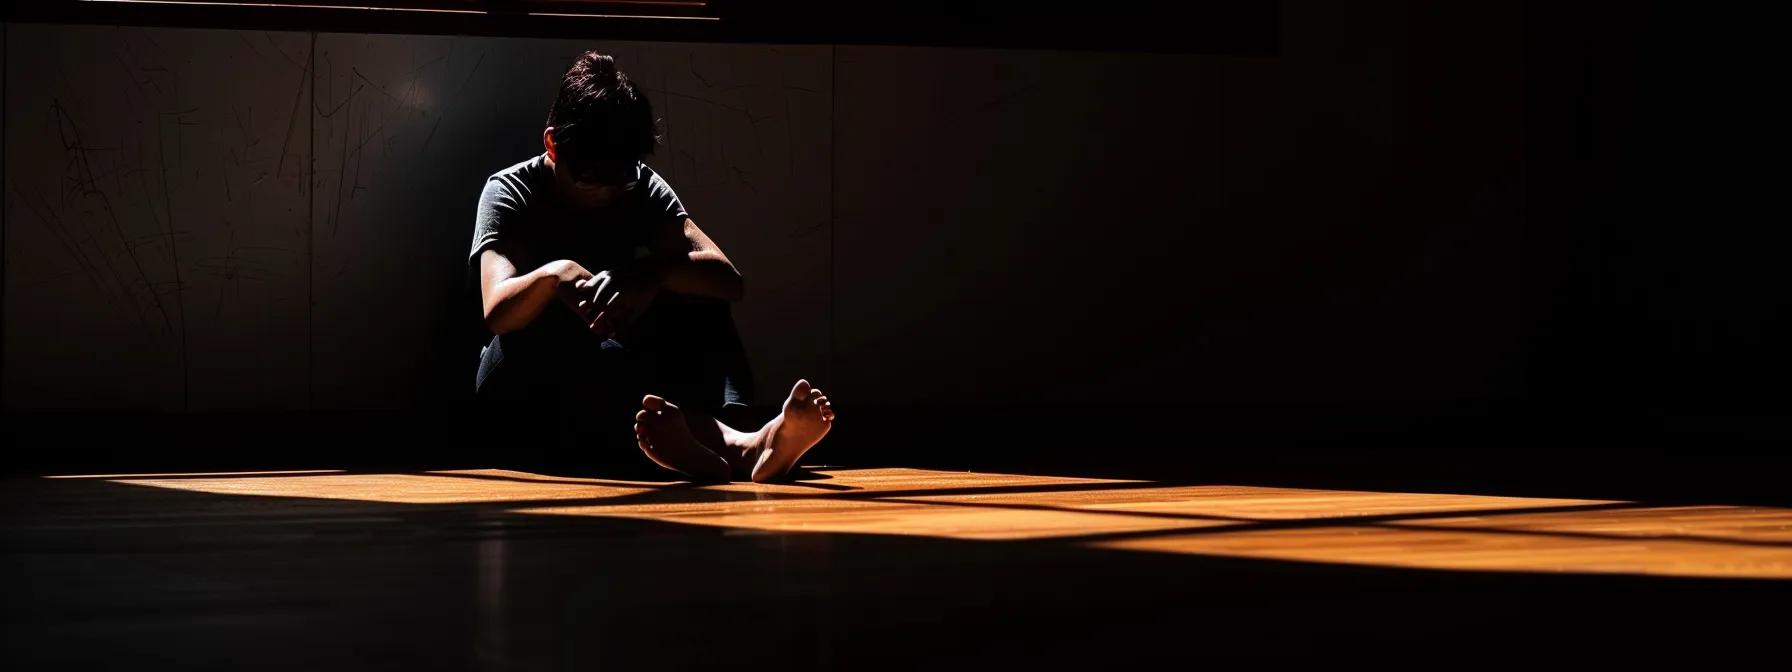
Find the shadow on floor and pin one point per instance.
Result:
(106, 573)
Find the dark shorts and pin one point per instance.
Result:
(573, 386)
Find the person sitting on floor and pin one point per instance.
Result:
(642, 321)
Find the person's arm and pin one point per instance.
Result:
(681, 259)
(686, 261)
(512, 301)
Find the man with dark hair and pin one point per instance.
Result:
(642, 324)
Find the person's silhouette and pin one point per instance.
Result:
(643, 323)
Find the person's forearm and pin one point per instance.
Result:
(699, 274)
(517, 301)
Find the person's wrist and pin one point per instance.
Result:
(568, 271)
(549, 274)
(558, 270)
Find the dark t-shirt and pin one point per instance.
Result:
(519, 206)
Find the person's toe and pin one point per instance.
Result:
(653, 403)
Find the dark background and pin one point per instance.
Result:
(1486, 246)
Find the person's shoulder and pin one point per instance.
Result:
(521, 179)
(658, 197)
(527, 168)
(655, 184)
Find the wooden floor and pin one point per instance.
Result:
(1439, 531)
(496, 568)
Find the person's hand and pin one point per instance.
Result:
(569, 281)
(616, 300)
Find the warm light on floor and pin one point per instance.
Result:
(1430, 531)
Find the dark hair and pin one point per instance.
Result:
(600, 116)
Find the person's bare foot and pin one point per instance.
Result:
(807, 416)
(662, 434)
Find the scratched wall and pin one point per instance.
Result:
(233, 220)
(156, 219)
